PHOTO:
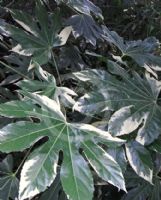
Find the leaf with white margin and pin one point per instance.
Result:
(62, 136)
(135, 100)
(140, 160)
(105, 166)
(141, 51)
(9, 183)
(39, 171)
(39, 35)
(83, 6)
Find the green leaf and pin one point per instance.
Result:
(16, 68)
(35, 85)
(6, 94)
(142, 52)
(16, 109)
(104, 164)
(47, 86)
(83, 6)
(140, 189)
(76, 177)
(39, 35)
(84, 25)
(62, 136)
(125, 122)
(140, 160)
(39, 171)
(138, 193)
(136, 105)
(9, 184)
(93, 102)
(13, 139)
(118, 154)
(71, 57)
(156, 190)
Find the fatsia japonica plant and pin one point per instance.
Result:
(73, 116)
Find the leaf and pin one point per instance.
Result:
(64, 34)
(92, 102)
(38, 172)
(138, 193)
(6, 94)
(136, 105)
(156, 191)
(84, 25)
(9, 184)
(17, 68)
(140, 189)
(104, 164)
(76, 177)
(70, 57)
(140, 160)
(142, 52)
(125, 122)
(46, 85)
(38, 38)
(118, 154)
(83, 6)
(63, 136)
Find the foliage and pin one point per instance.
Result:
(80, 105)
(9, 184)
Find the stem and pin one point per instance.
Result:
(56, 67)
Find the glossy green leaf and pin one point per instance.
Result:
(138, 193)
(83, 6)
(156, 190)
(46, 85)
(141, 51)
(118, 154)
(140, 189)
(136, 105)
(84, 25)
(38, 39)
(104, 165)
(39, 171)
(71, 57)
(76, 177)
(16, 109)
(68, 137)
(140, 160)
(9, 184)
